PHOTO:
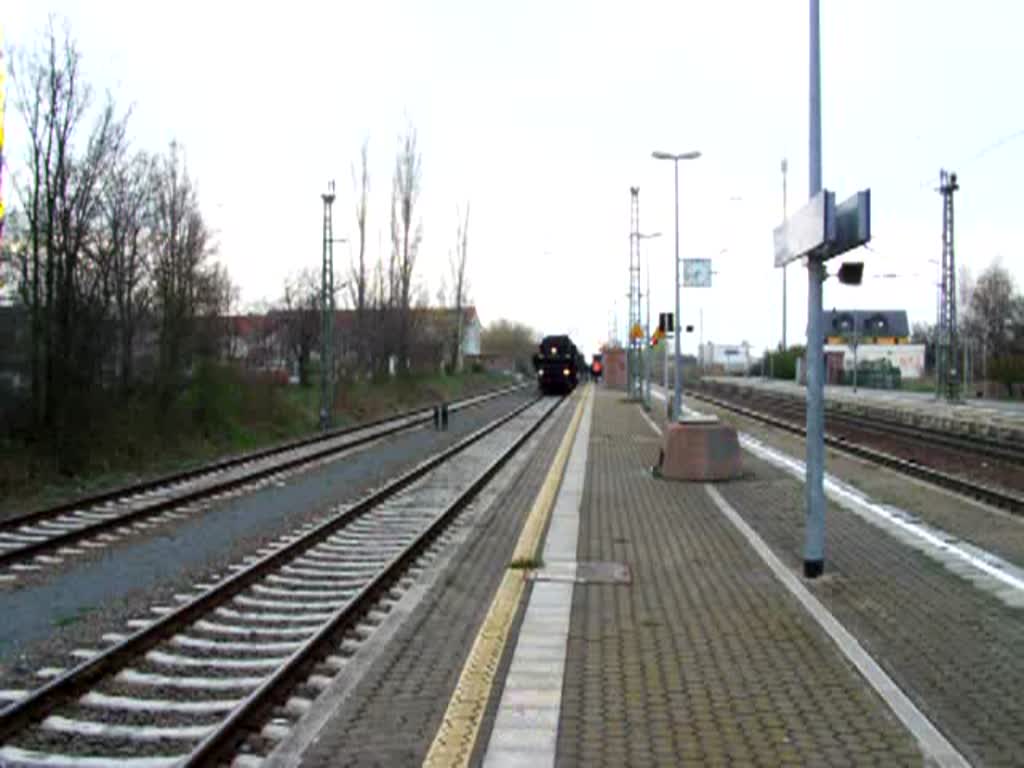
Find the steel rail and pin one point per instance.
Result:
(219, 465)
(233, 729)
(980, 444)
(71, 536)
(996, 497)
(75, 681)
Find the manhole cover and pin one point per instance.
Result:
(583, 573)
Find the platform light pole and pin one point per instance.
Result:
(785, 215)
(647, 326)
(677, 400)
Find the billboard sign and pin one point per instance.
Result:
(808, 231)
(853, 222)
(823, 229)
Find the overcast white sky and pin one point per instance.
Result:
(543, 114)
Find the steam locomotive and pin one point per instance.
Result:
(558, 365)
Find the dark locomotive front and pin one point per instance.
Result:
(557, 365)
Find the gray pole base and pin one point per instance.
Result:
(813, 568)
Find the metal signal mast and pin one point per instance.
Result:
(327, 313)
(946, 348)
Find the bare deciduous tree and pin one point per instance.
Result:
(406, 234)
(122, 246)
(181, 246)
(61, 284)
(992, 308)
(460, 285)
(299, 320)
(509, 339)
(359, 275)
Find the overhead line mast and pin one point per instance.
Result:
(946, 348)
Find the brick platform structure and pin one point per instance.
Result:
(950, 643)
(704, 659)
(700, 449)
(700, 654)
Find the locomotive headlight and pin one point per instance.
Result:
(565, 371)
(554, 350)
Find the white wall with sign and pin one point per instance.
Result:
(909, 358)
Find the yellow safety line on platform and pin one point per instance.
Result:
(455, 739)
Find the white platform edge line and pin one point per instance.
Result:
(931, 740)
(650, 422)
(935, 746)
(859, 503)
(544, 732)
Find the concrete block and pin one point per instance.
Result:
(699, 450)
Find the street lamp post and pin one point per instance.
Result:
(785, 215)
(678, 389)
(814, 486)
(647, 328)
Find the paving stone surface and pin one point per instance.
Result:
(954, 648)
(395, 710)
(999, 532)
(704, 659)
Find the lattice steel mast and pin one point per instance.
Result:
(327, 313)
(946, 348)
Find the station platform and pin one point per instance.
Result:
(629, 620)
(997, 418)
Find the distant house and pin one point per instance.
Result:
(496, 363)
(436, 328)
(869, 326)
(868, 335)
(254, 339)
(261, 341)
(725, 358)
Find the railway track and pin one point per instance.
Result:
(46, 537)
(1004, 498)
(239, 660)
(977, 444)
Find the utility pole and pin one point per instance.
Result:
(634, 360)
(644, 346)
(785, 214)
(327, 312)
(938, 334)
(947, 307)
(677, 397)
(701, 342)
(814, 487)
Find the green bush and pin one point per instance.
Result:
(782, 363)
(1008, 370)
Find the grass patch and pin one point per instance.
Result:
(918, 385)
(223, 410)
(526, 563)
(70, 619)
